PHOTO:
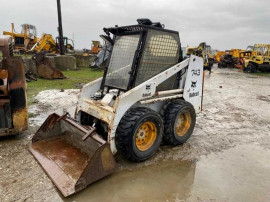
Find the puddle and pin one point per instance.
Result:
(238, 174)
(161, 182)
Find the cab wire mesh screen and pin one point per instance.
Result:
(121, 61)
(160, 53)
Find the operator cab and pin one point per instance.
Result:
(31, 30)
(139, 53)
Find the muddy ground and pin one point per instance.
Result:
(226, 159)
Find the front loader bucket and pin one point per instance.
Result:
(47, 70)
(72, 155)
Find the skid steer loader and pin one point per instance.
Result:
(147, 93)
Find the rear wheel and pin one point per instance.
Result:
(139, 134)
(251, 68)
(224, 64)
(179, 122)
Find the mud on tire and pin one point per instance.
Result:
(131, 129)
(178, 112)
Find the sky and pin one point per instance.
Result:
(223, 24)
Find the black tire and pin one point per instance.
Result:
(244, 68)
(171, 115)
(127, 133)
(224, 64)
(251, 68)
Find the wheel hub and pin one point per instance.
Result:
(182, 124)
(146, 136)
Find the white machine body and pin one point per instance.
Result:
(112, 107)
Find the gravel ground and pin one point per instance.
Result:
(236, 113)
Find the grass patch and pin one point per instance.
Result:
(73, 81)
(267, 74)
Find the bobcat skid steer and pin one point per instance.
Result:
(147, 93)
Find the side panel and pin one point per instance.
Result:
(194, 83)
(91, 88)
(140, 92)
(17, 90)
(14, 101)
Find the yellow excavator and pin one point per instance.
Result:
(47, 44)
(44, 43)
(204, 51)
(25, 40)
(13, 103)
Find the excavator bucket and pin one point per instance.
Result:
(72, 155)
(45, 68)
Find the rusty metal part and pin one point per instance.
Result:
(71, 160)
(30, 76)
(45, 68)
(4, 85)
(13, 104)
(6, 46)
(89, 134)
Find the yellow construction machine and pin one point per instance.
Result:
(44, 43)
(148, 93)
(25, 40)
(219, 55)
(96, 47)
(189, 50)
(13, 103)
(240, 61)
(204, 51)
(68, 45)
(259, 60)
(47, 44)
(234, 58)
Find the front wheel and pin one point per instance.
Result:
(251, 68)
(179, 122)
(139, 134)
(224, 64)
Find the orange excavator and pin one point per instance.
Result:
(96, 47)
